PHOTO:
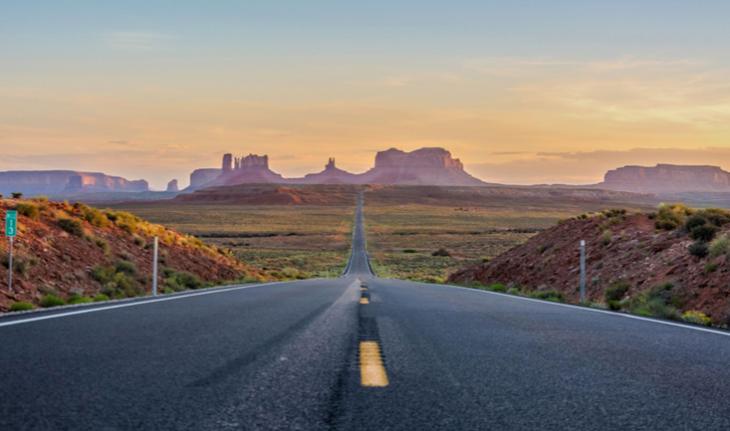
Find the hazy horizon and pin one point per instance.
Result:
(522, 93)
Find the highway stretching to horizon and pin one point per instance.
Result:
(358, 353)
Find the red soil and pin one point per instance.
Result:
(61, 262)
(637, 253)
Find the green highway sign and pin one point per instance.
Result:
(11, 223)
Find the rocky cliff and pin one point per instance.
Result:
(664, 178)
(331, 175)
(60, 182)
(201, 177)
(250, 169)
(426, 166)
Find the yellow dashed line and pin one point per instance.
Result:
(364, 301)
(372, 371)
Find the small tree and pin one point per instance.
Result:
(17, 195)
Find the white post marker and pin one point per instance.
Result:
(582, 271)
(11, 229)
(154, 268)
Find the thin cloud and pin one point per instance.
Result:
(137, 41)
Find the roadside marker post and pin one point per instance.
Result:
(582, 271)
(11, 229)
(154, 268)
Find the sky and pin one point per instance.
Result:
(522, 92)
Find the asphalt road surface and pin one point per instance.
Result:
(356, 352)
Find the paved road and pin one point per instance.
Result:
(289, 356)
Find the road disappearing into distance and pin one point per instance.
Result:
(356, 352)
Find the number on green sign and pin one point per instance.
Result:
(11, 223)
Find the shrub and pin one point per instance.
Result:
(703, 233)
(696, 317)
(126, 267)
(75, 298)
(615, 293)
(124, 220)
(51, 300)
(93, 215)
(21, 306)
(614, 212)
(71, 226)
(99, 297)
(29, 210)
(442, 252)
(716, 216)
(409, 250)
(710, 267)
(694, 221)
(117, 281)
(719, 246)
(498, 287)
(659, 301)
(670, 217)
(513, 291)
(698, 249)
(180, 280)
(138, 240)
(606, 237)
(547, 295)
(17, 195)
(102, 244)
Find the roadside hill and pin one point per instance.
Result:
(658, 264)
(75, 252)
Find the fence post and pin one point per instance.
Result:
(154, 268)
(582, 271)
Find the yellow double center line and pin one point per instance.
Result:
(372, 369)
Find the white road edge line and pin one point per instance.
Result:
(594, 310)
(136, 303)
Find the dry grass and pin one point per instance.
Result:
(285, 242)
(402, 239)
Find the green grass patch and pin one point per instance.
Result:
(21, 306)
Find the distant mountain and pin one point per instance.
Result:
(426, 166)
(330, 175)
(200, 177)
(665, 178)
(66, 182)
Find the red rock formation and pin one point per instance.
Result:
(200, 177)
(330, 175)
(665, 178)
(227, 162)
(426, 166)
(59, 182)
(84, 182)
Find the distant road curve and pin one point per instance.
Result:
(357, 352)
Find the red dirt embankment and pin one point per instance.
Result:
(620, 248)
(59, 245)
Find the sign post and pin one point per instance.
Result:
(154, 267)
(582, 271)
(11, 229)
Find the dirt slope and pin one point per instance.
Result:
(626, 249)
(66, 250)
